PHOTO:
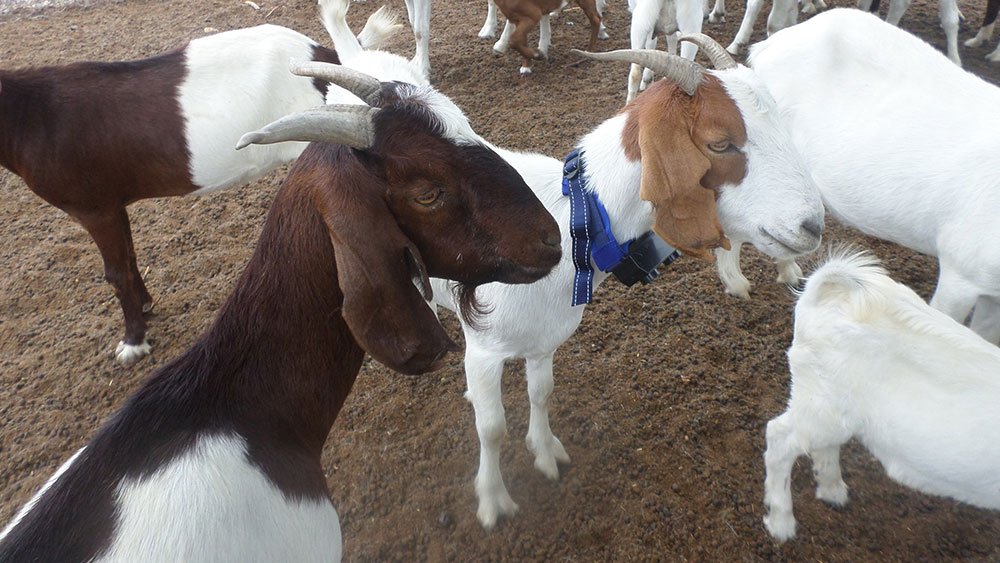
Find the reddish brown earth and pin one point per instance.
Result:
(661, 396)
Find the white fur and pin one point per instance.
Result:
(899, 141)
(419, 12)
(985, 34)
(947, 10)
(652, 18)
(34, 500)
(127, 354)
(871, 360)
(531, 321)
(211, 505)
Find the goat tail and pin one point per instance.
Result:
(380, 27)
(850, 278)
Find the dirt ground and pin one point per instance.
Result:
(661, 396)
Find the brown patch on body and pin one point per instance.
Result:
(688, 147)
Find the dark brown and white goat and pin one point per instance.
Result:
(217, 457)
(92, 137)
(525, 16)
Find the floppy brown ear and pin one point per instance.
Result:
(672, 169)
(377, 267)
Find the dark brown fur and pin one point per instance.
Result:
(673, 135)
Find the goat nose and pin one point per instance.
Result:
(552, 239)
(813, 227)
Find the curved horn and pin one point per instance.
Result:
(683, 72)
(358, 83)
(349, 125)
(721, 59)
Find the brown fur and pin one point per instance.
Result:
(671, 133)
(525, 15)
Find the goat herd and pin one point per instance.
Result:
(400, 196)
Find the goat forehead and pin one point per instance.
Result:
(718, 114)
(453, 123)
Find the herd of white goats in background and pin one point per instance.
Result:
(776, 141)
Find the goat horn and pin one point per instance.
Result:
(721, 59)
(358, 83)
(683, 72)
(349, 125)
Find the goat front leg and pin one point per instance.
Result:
(779, 458)
(113, 236)
(789, 272)
(830, 486)
(489, 28)
(742, 39)
(727, 264)
(503, 44)
(419, 12)
(949, 22)
(718, 13)
(589, 8)
(548, 450)
(984, 35)
(483, 373)
(519, 40)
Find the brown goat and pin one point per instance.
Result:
(234, 427)
(525, 15)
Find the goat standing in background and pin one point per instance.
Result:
(985, 32)
(525, 15)
(90, 138)
(651, 18)
(869, 359)
(217, 457)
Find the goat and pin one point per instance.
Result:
(489, 28)
(92, 137)
(651, 18)
(691, 157)
(871, 360)
(898, 187)
(948, 12)
(217, 456)
(986, 31)
(525, 15)
(783, 14)
(419, 13)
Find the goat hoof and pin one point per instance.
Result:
(716, 18)
(736, 49)
(525, 71)
(128, 354)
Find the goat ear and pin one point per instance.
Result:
(672, 169)
(377, 267)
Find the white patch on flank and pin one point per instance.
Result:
(34, 500)
(239, 81)
(211, 505)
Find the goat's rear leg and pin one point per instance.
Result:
(548, 450)
(113, 235)
(519, 40)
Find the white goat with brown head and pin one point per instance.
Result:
(696, 157)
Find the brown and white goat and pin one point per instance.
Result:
(217, 457)
(92, 137)
(525, 16)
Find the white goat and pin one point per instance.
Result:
(489, 28)
(985, 32)
(947, 10)
(896, 138)
(652, 18)
(871, 360)
(655, 150)
(81, 135)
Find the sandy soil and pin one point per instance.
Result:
(661, 396)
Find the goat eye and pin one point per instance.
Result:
(721, 146)
(428, 197)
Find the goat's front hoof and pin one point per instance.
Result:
(780, 526)
(525, 71)
(717, 18)
(736, 49)
(128, 354)
(491, 509)
(549, 453)
(834, 494)
(501, 47)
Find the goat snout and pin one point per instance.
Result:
(813, 226)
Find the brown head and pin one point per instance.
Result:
(416, 196)
(688, 133)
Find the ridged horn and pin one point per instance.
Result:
(358, 83)
(349, 125)
(721, 59)
(683, 72)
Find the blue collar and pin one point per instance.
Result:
(590, 228)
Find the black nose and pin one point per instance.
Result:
(813, 227)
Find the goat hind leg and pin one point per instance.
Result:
(548, 450)
(113, 236)
(830, 486)
(483, 373)
(779, 457)
(489, 28)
